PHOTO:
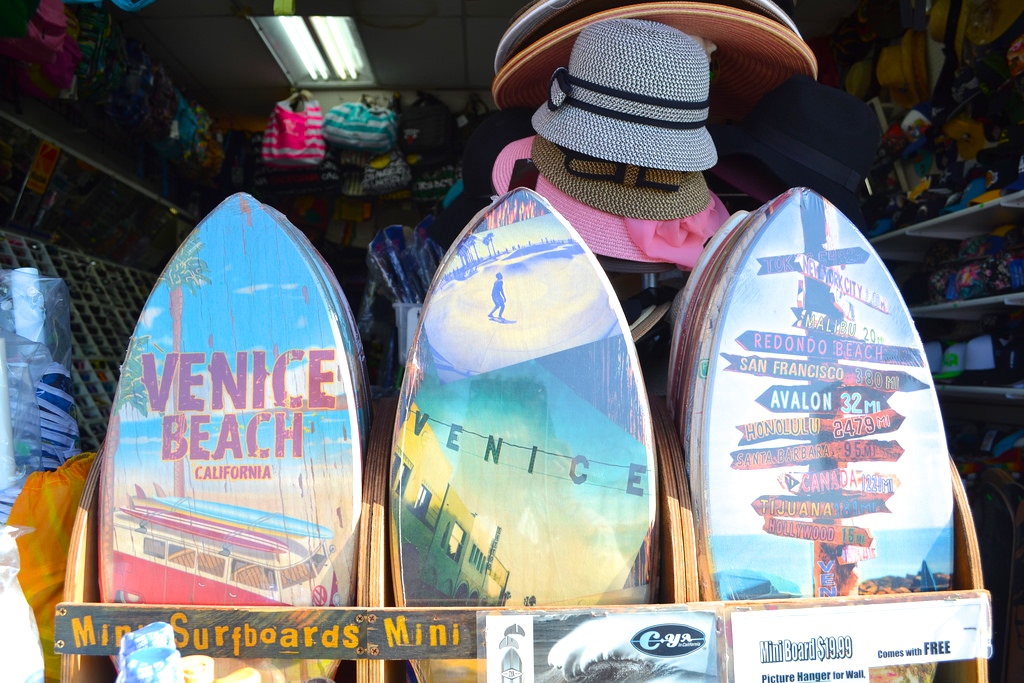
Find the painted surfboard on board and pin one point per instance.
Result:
(524, 467)
(807, 411)
(232, 463)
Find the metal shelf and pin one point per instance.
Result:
(906, 244)
(968, 309)
(1009, 394)
(106, 299)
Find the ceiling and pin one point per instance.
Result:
(216, 57)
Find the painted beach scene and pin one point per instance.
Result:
(232, 465)
(523, 469)
(826, 471)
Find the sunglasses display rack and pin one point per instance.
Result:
(105, 302)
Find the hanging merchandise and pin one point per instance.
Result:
(181, 135)
(45, 35)
(129, 103)
(288, 181)
(294, 134)
(101, 70)
(386, 173)
(163, 105)
(132, 5)
(48, 81)
(427, 125)
(358, 126)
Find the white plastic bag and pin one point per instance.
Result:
(20, 649)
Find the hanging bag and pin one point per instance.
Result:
(427, 126)
(46, 31)
(355, 125)
(294, 134)
(386, 174)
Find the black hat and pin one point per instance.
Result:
(481, 150)
(805, 134)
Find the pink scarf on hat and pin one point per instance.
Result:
(678, 241)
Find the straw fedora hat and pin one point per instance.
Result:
(649, 111)
(753, 54)
(622, 189)
(540, 17)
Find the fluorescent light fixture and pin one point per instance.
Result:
(302, 58)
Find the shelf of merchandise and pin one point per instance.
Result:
(968, 308)
(910, 244)
(105, 300)
(906, 243)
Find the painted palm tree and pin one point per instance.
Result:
(186, 269)
(130, 390)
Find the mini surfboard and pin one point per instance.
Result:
(815, 444)
(524, 466)
(232, 463)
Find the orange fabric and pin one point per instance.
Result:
(48, 503)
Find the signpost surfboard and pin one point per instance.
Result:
(524, 469)
(807, 412)
(231, 471)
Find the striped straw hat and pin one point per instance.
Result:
(649, 111)
(752, 54)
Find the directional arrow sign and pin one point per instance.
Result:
(835, 534)
(853, 554)
(822, 399)
(829, 347)
(813, 508)
(787, 263)
(823, 371)
(835, 279)
(838, 479)
(820, 428)
(863, 450)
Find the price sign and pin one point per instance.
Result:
(847, 641)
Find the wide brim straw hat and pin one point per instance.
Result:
(649, 111)
(753, 55)
(538, 18)
(654, 194)
(679, 242)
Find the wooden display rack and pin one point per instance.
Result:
(373, 660)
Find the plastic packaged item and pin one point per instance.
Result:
(20, 649)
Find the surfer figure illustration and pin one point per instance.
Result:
(498, 297)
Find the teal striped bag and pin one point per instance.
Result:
(354, 125)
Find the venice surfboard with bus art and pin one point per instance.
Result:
(524, 468)
(232, 463)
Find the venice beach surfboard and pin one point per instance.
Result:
(818, 459)
(523, 470)
(232, 463)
